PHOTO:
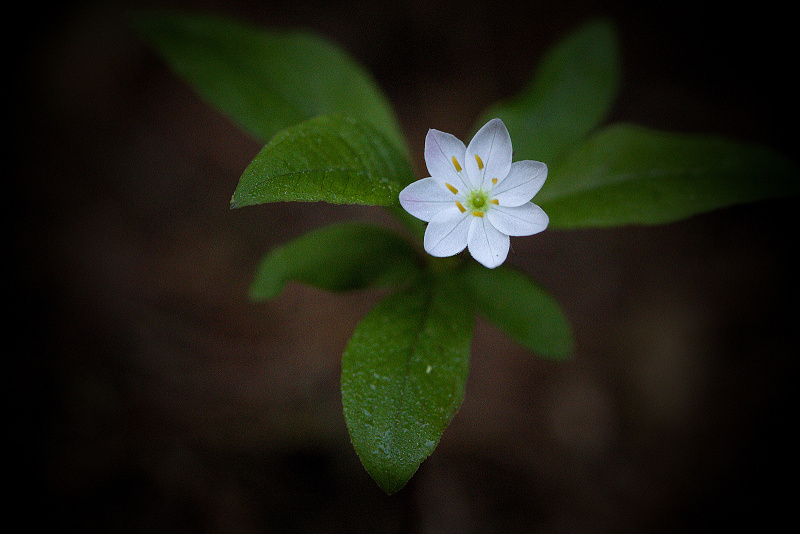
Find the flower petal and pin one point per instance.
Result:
(446, 234)
(527, 219)
(524, 180)
(486, 244)
(492, 144)
(440, 149)
(425, 198)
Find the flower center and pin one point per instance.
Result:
(477, 201)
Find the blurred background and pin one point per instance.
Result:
(149, 395)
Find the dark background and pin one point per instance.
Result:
(148, 393)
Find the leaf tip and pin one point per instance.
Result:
(392, 479)
(238, 200)
(393, 487)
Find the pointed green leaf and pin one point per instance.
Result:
(266, 80)
(522, 309)
(333, 159)
(570, 94)
(628, 174)
(338, 257)
(403, 377)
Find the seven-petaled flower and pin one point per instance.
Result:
(475, 197)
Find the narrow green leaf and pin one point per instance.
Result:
(333, 159)
(628, 174)
(569, 95)
(403, 378)
(338, 257)
(266, 80)
(522, 309)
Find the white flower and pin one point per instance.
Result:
(475, 197)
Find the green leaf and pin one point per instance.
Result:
(570, 94)
(522, 309)
(266, 80)
(628, 174)
(333, 159)
(403, 378)
(338, 257)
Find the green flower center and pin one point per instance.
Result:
(477, 200)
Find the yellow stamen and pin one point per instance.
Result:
(460, 207)
(494, 181)
(451, 188)
(480, 163)
(477, 213)
(456, 165)
(495, 202)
